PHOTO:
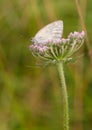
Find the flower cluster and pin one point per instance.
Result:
(60, 50)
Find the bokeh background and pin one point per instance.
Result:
(30, 97)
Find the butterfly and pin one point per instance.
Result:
(51, 32)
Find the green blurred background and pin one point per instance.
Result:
(30, 97)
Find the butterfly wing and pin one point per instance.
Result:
(51, 32)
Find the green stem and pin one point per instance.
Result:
(64, 95)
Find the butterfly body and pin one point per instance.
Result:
(51, 32)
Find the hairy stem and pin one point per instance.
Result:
(64, 95)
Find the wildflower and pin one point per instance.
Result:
(59, 50)
(50, 46)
